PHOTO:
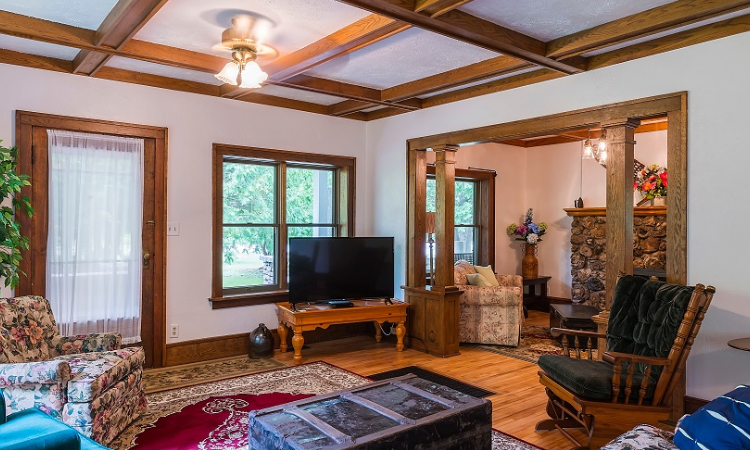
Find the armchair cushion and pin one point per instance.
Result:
(722, 423)
(27, 325)
(460, 270)
(84, 343)
(32, 429)
(477, 279)
(588, 379)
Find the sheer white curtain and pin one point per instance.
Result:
(94, 237)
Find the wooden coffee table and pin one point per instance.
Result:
(309, 317)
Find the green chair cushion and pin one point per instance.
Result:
(590, 380)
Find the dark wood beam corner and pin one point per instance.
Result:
(120, 25)
(348, 107)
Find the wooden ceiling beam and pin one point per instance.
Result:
(639, 25)
(434, 8)
(489, 68)
(464, 27)
(675, 41)
(34, 61)
(120, 25)
(348, 107)
(361, 33)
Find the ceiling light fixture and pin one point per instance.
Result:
(242, 71)
(598, 152)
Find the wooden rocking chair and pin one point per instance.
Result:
(651, 328)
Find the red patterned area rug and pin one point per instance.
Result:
(214, 415)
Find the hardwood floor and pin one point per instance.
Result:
(519, 402)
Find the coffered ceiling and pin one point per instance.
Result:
(360, 59)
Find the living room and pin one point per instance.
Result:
(710, 72)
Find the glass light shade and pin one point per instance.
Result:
(602, 145)
(588, 150)
(252, 75)
(603, 156)
(229, 73)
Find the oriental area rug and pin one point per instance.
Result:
(535, 342)
(213, 415)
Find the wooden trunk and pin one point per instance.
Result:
(401, 413)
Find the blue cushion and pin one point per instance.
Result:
(724, 423)
(32, 429)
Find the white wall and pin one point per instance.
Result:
(194, 123)
(718, 95)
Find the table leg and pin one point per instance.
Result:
(297, 342)
(378, 333)
(400, 332)
(283, 333)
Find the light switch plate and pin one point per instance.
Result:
(173, 228)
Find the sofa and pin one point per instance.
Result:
(32, 429)
(489, 314)
(87, 381)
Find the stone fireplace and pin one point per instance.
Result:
(588, 241)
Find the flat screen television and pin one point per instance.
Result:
(340, 268)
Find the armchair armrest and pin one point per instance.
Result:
(583, 341)
(616, 359)
(492, 295)
(85, 343)
(510, 280)
(34, 373)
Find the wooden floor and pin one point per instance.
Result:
(519, 402)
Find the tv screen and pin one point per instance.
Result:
(340, 268)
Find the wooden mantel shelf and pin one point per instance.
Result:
(602, 211)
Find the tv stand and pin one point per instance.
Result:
(300, 318)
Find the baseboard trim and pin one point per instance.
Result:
(217, 347)
(692, 404)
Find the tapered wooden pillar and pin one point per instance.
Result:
(620, 148)
(417, 205)
(445, 195)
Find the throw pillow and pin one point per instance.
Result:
(476, 279)
(488, 275)
(724, 423)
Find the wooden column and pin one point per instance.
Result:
(445, 195)
(620, 147)
(417, 205)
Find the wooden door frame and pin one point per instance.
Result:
(33, 228)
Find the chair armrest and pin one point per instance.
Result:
(34, 373)
(492, 295)
(555, 332)
(618, 358)
(85, 343)
(510, 280)
(648, 362)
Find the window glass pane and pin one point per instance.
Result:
(309, 195)
(248, 256)
(465, 203)
(463, 244)
(249, 193)
(431, 195)
(311, 231)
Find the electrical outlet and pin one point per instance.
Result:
(173, 228)
(174, 330)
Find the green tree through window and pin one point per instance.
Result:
(465, 216)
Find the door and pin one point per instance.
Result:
(34, 160)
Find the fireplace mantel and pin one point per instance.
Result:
(602, 211)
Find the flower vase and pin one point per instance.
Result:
(529, 263)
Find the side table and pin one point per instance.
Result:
(573, 317)
(532, 295)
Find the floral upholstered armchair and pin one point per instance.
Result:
(489, 314)
(87, 381)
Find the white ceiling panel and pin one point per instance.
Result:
(165, 71)
(197, 24)
(37, 48)
(297, 94)
(78, 13)
(406, 56)
(551, 19)
(741, 12)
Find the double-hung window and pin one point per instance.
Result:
(474, 224)
(262, 198)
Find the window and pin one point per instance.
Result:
(474, 229)
(266, 197)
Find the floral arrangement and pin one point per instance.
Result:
(651, 182)
(529, 231)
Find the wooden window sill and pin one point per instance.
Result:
(260, 298)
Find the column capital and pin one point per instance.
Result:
(628, 122)
(445, 148)
(446, 155)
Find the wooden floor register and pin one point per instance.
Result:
(309, 317)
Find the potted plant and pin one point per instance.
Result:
(11, 240)
(530, 233)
